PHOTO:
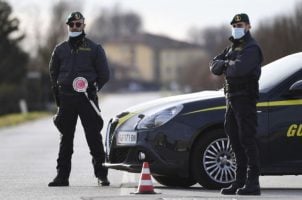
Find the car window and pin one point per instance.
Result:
(274, 73)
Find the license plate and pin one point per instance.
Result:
(126, 138)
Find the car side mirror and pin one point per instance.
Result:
(296, 88)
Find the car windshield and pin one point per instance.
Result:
(277, 71)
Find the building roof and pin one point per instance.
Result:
(155, 41)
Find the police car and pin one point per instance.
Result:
(183, 140)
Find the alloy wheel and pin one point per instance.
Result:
(219, 161)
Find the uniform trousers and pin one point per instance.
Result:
(240, 127)
(73, 105)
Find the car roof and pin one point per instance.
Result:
(276, 72)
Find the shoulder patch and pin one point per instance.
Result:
(238, 49)
(84, 49)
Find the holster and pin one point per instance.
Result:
(244, 88)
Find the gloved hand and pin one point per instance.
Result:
(91, 92)
(217, 67)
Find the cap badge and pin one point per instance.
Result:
(77, 16)
(237, 18)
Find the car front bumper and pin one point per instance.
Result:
(127, 157)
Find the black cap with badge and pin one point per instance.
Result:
(74, 16)
(242, 17)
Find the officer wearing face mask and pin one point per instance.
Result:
(240, 64)
(78, 58)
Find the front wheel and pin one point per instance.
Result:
(174, 181)
(213, 162)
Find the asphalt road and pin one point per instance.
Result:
(28, 158)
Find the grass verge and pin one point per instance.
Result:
(14, 119)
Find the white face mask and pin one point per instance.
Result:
(238, 33)
(74, 34)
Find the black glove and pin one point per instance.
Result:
(91, 92)
(55, 91)
(218, 67)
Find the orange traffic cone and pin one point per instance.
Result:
(145, 185)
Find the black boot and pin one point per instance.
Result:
(232, 188)
(103, 181)
(250, 188)
(238, 183)
(59, 181)
(100, 172)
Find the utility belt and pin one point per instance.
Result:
(68, 89)
(250, 87)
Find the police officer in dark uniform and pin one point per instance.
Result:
(241, 65)
(78, 57)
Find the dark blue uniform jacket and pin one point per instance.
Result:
(245, 56)
(87, 60)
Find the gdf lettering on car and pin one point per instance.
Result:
(294, 130)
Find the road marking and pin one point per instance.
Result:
(128, 183)
(128, 178)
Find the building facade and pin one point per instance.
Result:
(152, 59)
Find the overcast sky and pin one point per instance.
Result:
(168, 17)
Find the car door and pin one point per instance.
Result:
(262, 130)
(285, 128)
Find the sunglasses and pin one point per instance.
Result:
(240, 25)
(78, 24)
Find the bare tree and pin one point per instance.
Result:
(13, 61)
(57, 32)
(278, 37)
(198, 76)
(195, 36)
(214, 39)
(115, 23)
(132, 23)
(282, 36)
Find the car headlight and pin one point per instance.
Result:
(159, 118)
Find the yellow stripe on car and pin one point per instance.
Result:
(285, 103)
(260, 104)
(207, 109)
(123, 119)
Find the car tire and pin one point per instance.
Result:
(174, 181)
(213, 162)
